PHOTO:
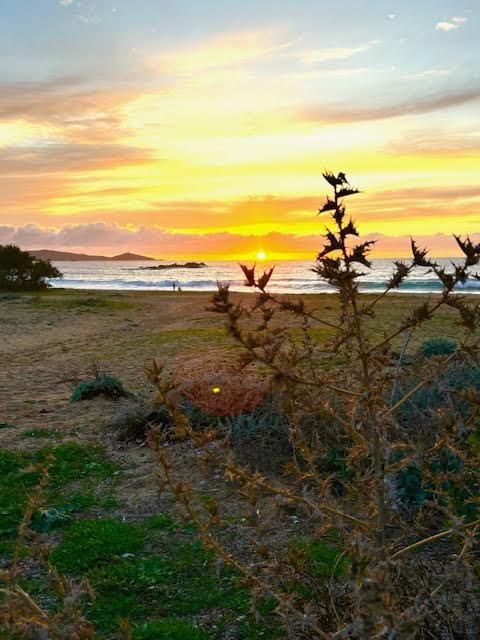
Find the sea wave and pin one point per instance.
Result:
(288, 277)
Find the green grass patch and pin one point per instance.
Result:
(155, 576)
(71, 463)
(174, 337)
(41, 433)
(321, 560)
(81, 304)
(170, 629)
(89, 543)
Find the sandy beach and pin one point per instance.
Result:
(49, 335)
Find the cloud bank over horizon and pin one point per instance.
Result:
(113, 238)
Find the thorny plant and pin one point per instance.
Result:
(20, 613)
(412, 570)
(222, 391)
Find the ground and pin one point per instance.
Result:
(103, 493)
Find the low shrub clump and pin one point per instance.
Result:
(103, 385)
(438, 347)
(223, 392)
(134, 419)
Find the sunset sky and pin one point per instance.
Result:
(200, 128)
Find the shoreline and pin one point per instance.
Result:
(248, 291)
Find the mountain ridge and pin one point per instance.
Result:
(68, 256)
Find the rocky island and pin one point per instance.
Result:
(175, 265)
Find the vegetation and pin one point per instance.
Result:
(383, 453)
(103, 384)
(148, 578)
(438, 347)
(20, 271)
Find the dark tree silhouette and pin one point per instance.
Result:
(20, 271)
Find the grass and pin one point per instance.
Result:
(82, 464)
(170, 629)
(173, 337)
(89, 544)
(88, 304)
(41, 433)
(154, 574)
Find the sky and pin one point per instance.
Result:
(201, 128)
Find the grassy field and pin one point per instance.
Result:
(103, 517)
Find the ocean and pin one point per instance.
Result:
(288, 277)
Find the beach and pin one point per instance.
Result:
(46, 336)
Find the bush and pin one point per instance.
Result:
(103, 385)
(132, 422)
(400, 439)
(223, 392)
(437, 347)
(260, 439)
(20, 271)
(440, 392)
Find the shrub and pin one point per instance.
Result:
(407, 450)
(103, 385)
(260, 438)
(20, 271)
(132, 421)
(438, 347)
(442, 390)
(223, 392)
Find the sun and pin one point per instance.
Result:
(261, 255)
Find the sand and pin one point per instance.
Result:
(48, 336)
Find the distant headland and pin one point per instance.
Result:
(66, 256)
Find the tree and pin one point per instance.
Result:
(20, 271)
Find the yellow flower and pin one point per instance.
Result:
(216, 390)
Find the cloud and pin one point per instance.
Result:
(227, 50)
(334, 53)
(427, 74)
(421, 104)
(450, 141)
(83, 112)
(65, 157)
(112, 238)
(454, 23)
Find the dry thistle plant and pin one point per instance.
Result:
(399, 498)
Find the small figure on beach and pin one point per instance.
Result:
(173, 285)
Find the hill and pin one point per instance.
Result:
(60, 256)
